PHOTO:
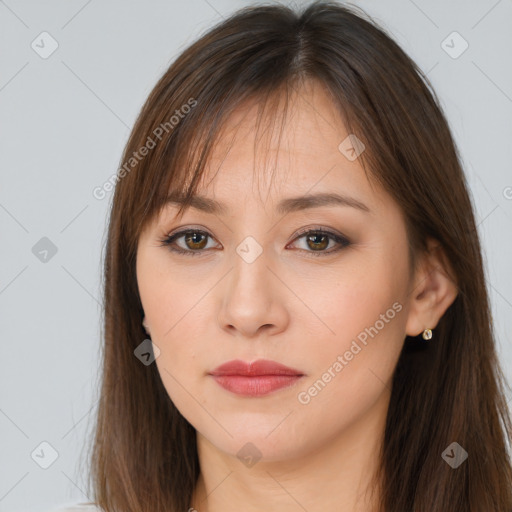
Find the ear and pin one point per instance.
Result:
(145, 325)
(433, 290)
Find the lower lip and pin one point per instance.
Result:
(255, 386)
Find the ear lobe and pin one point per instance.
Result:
(145, 325)
(434, 290)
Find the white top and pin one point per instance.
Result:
(79, 507)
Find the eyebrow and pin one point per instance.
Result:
(292, 204)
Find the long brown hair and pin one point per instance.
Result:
(144, 455)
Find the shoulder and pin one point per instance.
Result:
(78, 507)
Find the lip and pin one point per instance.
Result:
(254, 369)
(258, 378)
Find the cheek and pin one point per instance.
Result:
(168, 306)
(352, 296)
(168, 294)
(363, 322)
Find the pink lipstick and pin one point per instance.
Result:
(254, 379)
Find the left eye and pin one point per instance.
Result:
(196, 240)
(319, 239)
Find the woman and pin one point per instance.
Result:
(309, 330)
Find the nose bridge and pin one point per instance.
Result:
(253, 255)
(250, 277)
(250, 298)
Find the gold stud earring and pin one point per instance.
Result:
(427, 334)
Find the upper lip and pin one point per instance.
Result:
(256, 368)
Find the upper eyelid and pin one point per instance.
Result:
(300, 232)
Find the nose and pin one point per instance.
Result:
(252, 299)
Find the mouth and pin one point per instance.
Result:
(254, 379)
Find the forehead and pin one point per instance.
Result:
(291, 150)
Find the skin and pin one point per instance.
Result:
(288, 306)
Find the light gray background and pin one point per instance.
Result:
(64, 122)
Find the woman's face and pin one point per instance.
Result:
(256, 287)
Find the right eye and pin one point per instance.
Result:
(194, 239)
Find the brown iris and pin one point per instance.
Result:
(316, 246)
(192, 237)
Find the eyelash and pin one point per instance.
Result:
(169, 240)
